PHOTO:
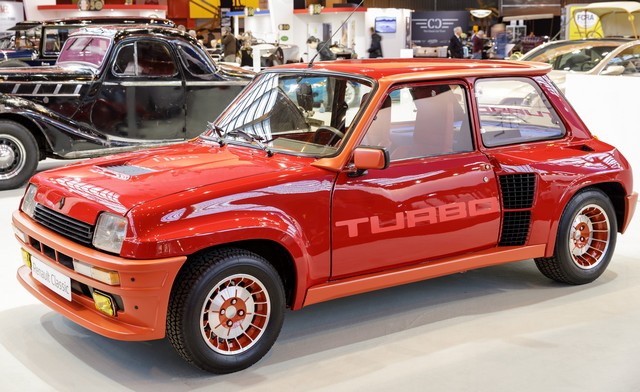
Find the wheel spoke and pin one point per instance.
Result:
(239, 307)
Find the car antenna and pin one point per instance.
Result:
(325, 43)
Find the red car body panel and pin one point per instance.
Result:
(335, 234)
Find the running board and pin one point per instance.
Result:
(422, 271)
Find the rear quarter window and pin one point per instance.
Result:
(514, 111)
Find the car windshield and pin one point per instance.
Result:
(580, 56)
(84, 50)
(303, 114)
(55, 37)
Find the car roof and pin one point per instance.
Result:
(410, 69)
(617, 42)
(113, 20)
(115, 30)
(103, 20)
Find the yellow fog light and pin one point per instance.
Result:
(104, 303)
(26, 258)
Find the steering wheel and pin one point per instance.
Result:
(336, 135)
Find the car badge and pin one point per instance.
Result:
(61, 203)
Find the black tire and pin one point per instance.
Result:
(19, 155)
(242, 290)
(585, 242)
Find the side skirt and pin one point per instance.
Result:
(415, 273)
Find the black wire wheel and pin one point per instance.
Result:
(19, 155)
(585, 241)
(226, 310)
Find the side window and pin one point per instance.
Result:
(629, 59)
(416, 122)
(194, 63)
(515, 111)
(125, 64)
(145, 58)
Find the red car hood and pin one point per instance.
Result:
(121, 182)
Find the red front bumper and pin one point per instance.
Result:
(144, 290)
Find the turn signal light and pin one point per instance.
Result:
(100, 274)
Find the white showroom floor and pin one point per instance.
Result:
(504, 328)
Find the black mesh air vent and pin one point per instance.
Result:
(518, 190)
(65, 226)
(515, 228)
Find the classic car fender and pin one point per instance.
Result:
(48, 125)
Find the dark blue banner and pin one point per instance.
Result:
(435, 28)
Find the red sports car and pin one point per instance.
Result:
(321, 181)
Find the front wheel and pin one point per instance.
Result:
(226, 310)
(19, 155)
(585, 241)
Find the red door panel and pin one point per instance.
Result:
(415, 210)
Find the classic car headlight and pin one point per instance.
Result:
(110, 232)
(29, 201)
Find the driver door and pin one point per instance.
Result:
(438, 197)
(143, 95)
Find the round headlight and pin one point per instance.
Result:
(110, 232)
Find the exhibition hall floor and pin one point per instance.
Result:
(504, 328)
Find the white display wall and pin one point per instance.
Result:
(608, 105)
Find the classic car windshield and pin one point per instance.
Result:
(85, 50)
(580, 56)
(306, 113)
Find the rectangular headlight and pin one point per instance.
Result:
(29, 200)
(110, 232)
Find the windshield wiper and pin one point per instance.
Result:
(251, 138)
(215, 133)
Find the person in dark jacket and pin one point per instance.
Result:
(229, 45)
(375, 50)
(478, 45)
(455, 44)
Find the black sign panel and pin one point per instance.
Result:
(435, 28)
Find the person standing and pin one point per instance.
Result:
(375, 50)
(455, 44)
(478, 45)
(229, 46)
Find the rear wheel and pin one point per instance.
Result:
(585, 241)
(18, 155)
(226, 310)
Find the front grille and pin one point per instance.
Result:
(65, 226)
(515, 228)
(518, 190)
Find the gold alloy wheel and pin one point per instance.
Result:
(589, 236)
(235, 313)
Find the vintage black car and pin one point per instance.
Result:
(39, 43)
(113, 89)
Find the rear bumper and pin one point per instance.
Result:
(143, 292)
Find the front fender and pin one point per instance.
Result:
(277, 228)
(59, 132)
(293, 215)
